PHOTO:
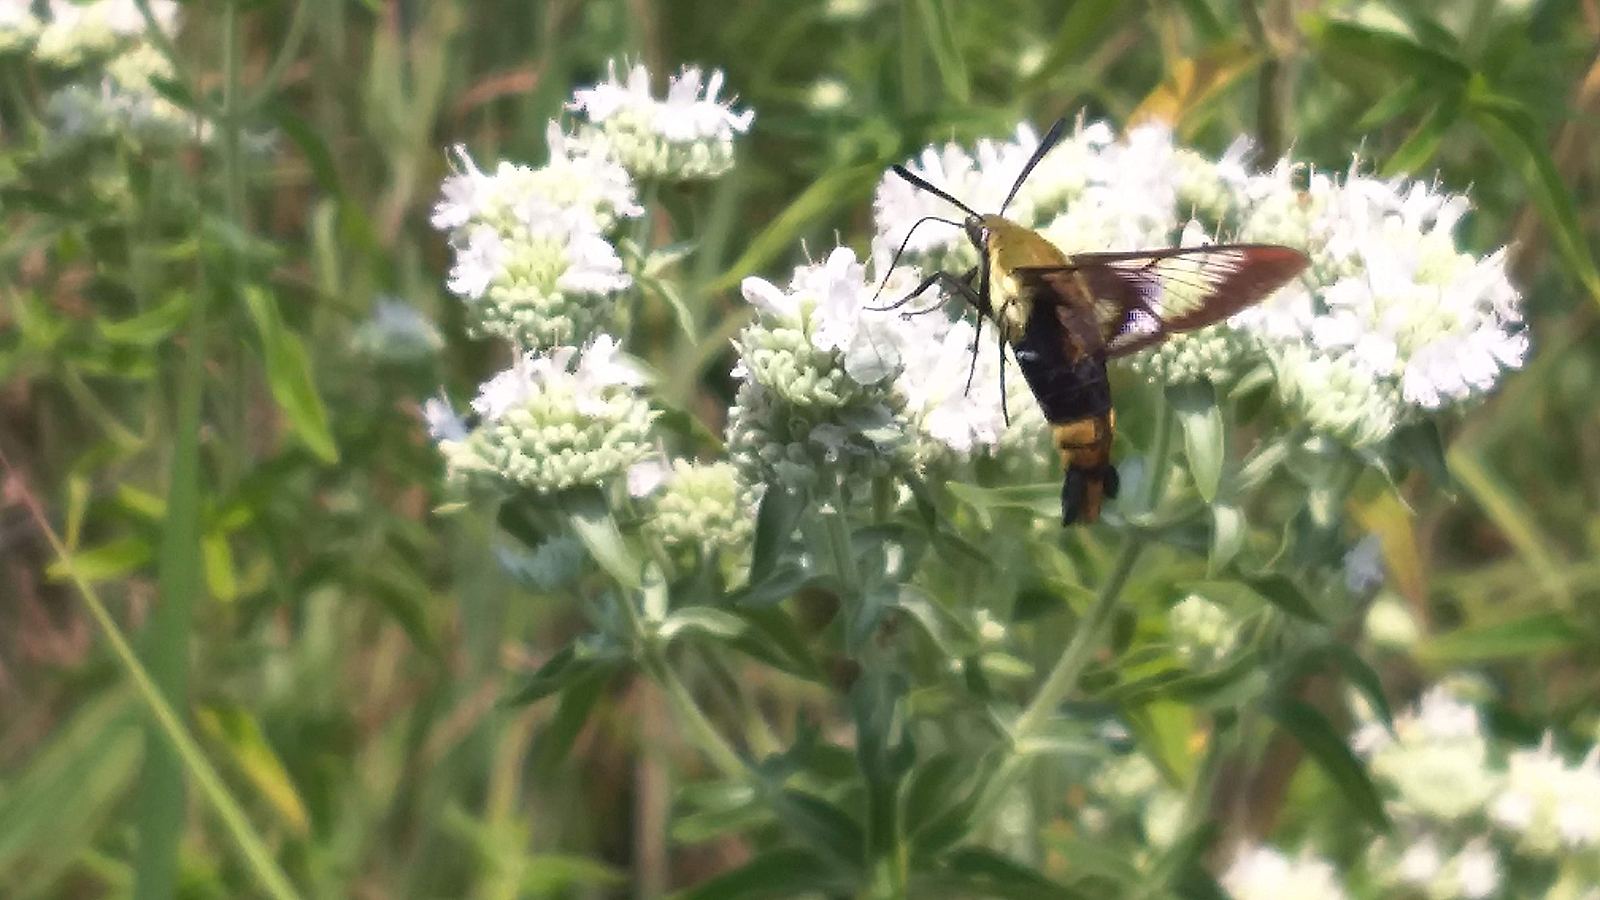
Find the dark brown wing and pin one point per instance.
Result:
(1129, 301)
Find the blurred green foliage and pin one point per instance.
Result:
(181, 394)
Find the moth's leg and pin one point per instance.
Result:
(1000, 350)
(981, 304)
(959, 285)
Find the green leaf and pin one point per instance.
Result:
(775, 522)
(1527, 637)
(1325, 745)
(578, 700)
(990, 874)
(1392, 50)
(816, 201)
(112, 559)
(149, 328)
(1364, 679)
(236, 729)
(310, 143)
(1423, 142)
(1515, 136)
(1281, 591)
(823, 824)
(1040, 499)
(714, 622)
(1228, 531)
(591, 521)
(883, 754)
(1204, 441)
(546, 873)
(772, 874)
(1080, 24)
(289, 376)
(569, 665)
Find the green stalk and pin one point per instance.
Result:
(688, 712)
(171, 735)
(168, 638)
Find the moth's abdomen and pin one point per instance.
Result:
(1074, 393)
(1090, 479)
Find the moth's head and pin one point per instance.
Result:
(977, 232)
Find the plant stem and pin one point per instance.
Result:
(168, 724)
(705, 735)
(1064, 675)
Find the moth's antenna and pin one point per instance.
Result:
(1050, 139)
(896, 259)
(923, 183)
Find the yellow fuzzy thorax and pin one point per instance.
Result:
(1012, 246)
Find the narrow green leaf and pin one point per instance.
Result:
(577, 702)
(775, 522)
(1392, 50)
(1282, 592)
(1423, 142)
(1517, 138)
(990, 874)
(823, 824)
(112, 559)
(289, 376)
(305, 137)
(1530, 636)
(1079, 26)
(816, 201)
(1204, 441)
(714, 622)
(591, 521)
(149, 328)
(1228, 531)
(547, 873)
(237, 730)
(1325, 745)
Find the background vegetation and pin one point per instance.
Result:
(186, 404)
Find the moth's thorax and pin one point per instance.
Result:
(1011, 246)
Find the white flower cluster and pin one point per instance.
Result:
(551, 422)
(1391, 323)
(1436, 763)
(1264, 873)
(695, 505)
(832, 379)
(687, 136)
(532, 259)
(79, 32)
(1202, 632)
(18, 25)
(817, 369)
(124, 103)
(1463, 819)
(1130, 788)
(1548, 806)
(1395, 322)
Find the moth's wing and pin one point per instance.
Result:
(1137, 299)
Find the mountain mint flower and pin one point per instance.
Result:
(818, 368)
(551, 422)
(18, 25)
(687, 136)
(124, 104)
(1438, 766)
(1201, 631)
(77, 32)
(397, 332)
(532, 259)
(1263, 873)
(1548, 805)
(701, 505)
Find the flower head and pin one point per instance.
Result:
(551, 422)
(18, 25)
(701, 506)
(78, 32)
(531, 256)
(688, 135)
(1264, 873)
